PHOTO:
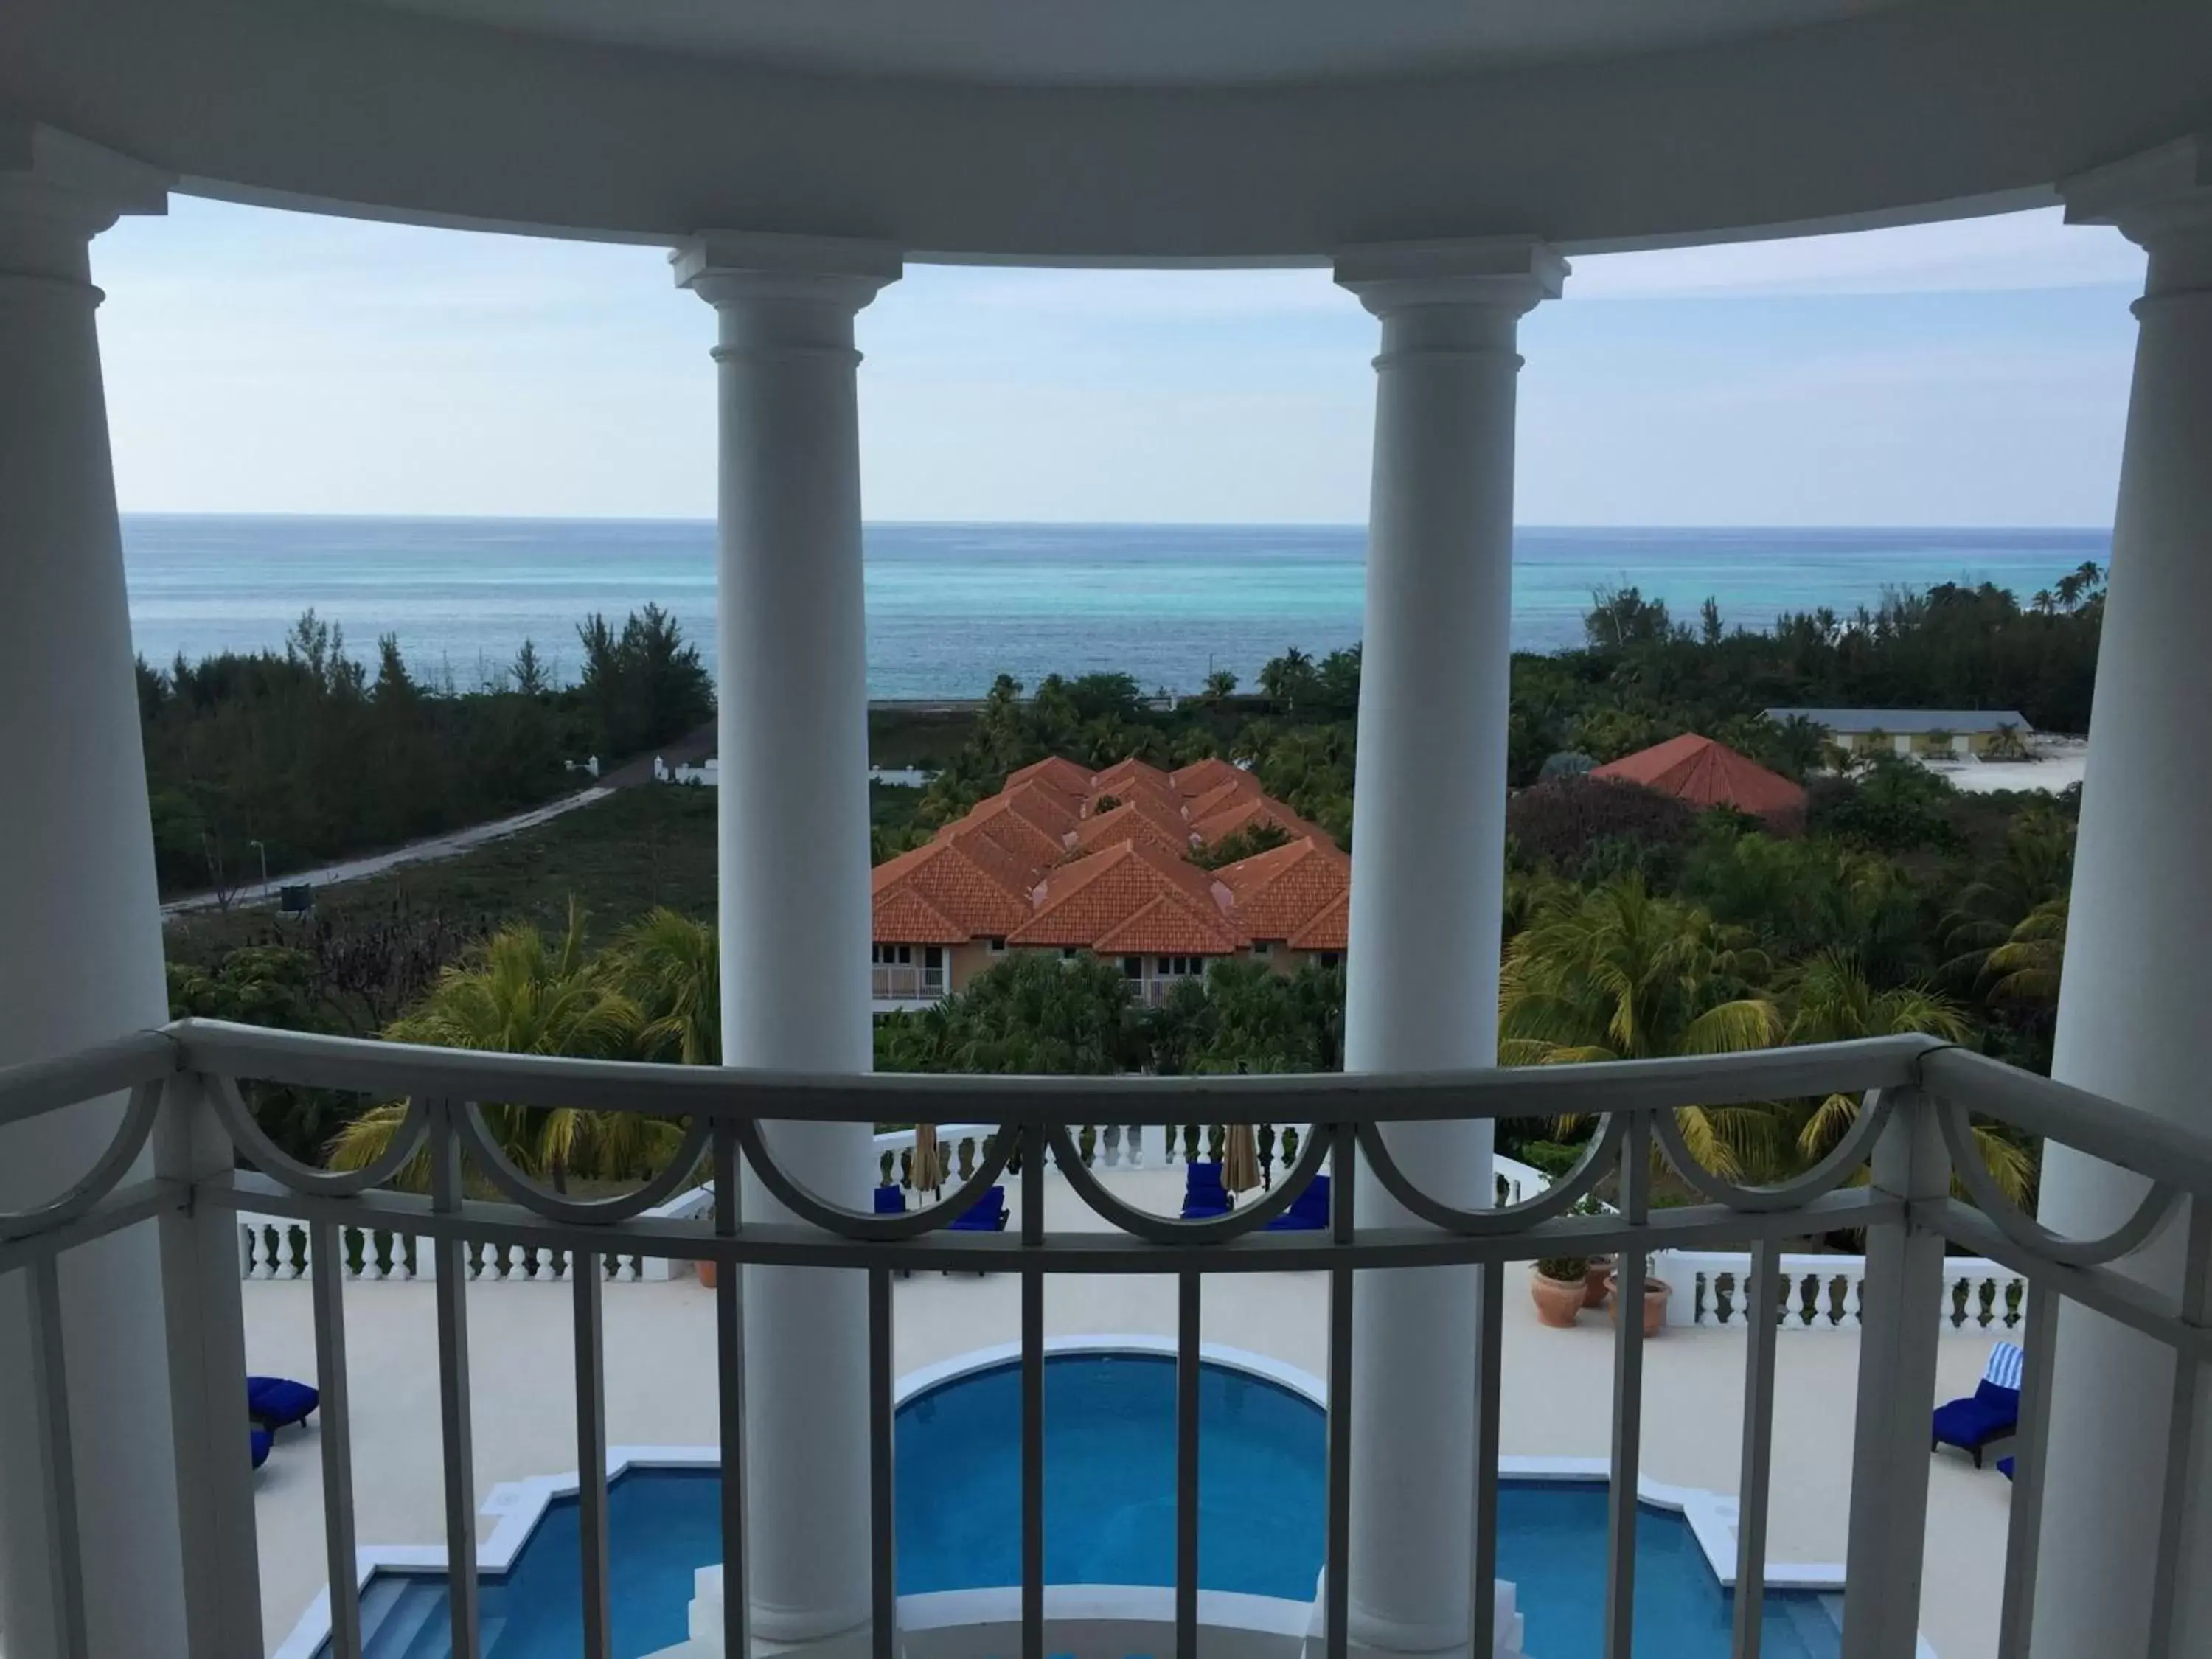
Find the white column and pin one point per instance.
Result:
(1428, 852)
(794, 873)
(81, 954)
(2131, 1016)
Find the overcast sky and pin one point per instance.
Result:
(1974, 373)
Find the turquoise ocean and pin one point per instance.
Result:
(950, 606)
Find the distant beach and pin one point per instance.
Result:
(950, 606)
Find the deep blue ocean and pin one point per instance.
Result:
(950, 606)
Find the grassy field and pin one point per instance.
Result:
(618, 857)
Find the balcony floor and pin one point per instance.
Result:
(660, 1389)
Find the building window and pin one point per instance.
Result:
(998, 945)
(1069, 952)
(1133, 967)
(893, 956)
(1330, 958)
(1263, 948)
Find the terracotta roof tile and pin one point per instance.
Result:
(903, 916)
(1209, 801)
(1707, 773)
(1329, 930)
(1171, 925)
(1249, 812)
(1083, 901)
(1055, 770)
(966, 881)
(1278, 892)
(1139, 818)
(1209, 773)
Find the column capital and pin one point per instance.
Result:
(58, 192)
(2159, 199)
(723, 267)
(1510, 273)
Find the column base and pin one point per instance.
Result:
(1373, 1638)
(705, 1641)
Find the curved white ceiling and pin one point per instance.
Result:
(1121, 131)
(1142, 42)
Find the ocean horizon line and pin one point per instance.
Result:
(1622, 527)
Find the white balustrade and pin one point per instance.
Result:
(1824, 1292)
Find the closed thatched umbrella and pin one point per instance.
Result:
(928, 1172)
(1240, 1159)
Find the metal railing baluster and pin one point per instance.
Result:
(883, 1547)
(57, 1461)
(2024, 1528)
(2173, 1526)
(451, 1253)
(1189, 1290)
(592, 1543)
(1629, 1269)
(730, 1378)
(1343, 1173)
(1489, 1371)
(1762, 1329)
(334, 1416)
(1898, 1332)
(1033, 1167)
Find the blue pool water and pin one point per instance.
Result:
(1109, 1518)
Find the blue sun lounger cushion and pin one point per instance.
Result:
(1203, 1193)
(275, 1402)
(1990, 1413)
(1309, 1211)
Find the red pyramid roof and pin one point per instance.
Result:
(1707, 773)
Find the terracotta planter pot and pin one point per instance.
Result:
(1656, 1291)
(1597, 1282)
(706, 1275)
(1558, 1301)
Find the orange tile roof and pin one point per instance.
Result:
(903, 916)
(1086, 900)
(1209, 773)
(1278, 892)
(1249, 812)
(1329, 930)
(1038, 865)
(1055, 770)
(1707, 773)
(1170, 925)
(963, 881)
(1140, 818)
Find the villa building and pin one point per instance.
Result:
(1956, 733)
(1066, 860)
(1443, 162)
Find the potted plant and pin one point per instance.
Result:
(1556, 1286)
(1656, 1291)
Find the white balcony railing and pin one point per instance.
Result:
(893, 982)
(1914, 1129)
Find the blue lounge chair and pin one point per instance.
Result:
(1309, 1211)
(1990, 1413)
(987, 1214)
(276, 1402)
(2004, 1467)
(890, 1200)
(1203, 1195)
(261, 1442)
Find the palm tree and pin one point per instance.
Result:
(670, 966)
(517, 994)
(2026, 967)
(1616, 974)
(1219, 686)
(1833, 1002)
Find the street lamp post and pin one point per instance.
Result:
(262, 848)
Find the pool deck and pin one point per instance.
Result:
(661, 1391)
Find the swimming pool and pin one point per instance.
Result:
(1109, 1518)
